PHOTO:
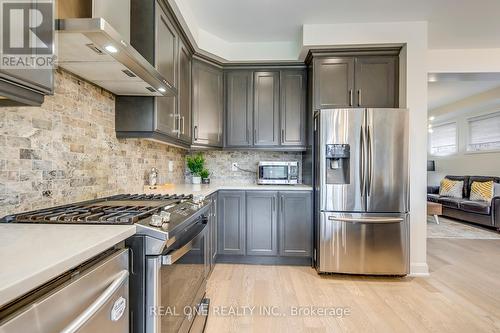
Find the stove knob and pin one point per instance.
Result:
(165, 216)
(156, 220)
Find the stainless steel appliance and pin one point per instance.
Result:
(361, 191)
(170, 258)
(93, 297)
(277, 172)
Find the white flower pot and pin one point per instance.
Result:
(196, 180)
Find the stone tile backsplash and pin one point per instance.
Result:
(67, 151)
(219, 164)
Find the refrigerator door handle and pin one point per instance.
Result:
(369, 160)
(362, 160)
(367, 220)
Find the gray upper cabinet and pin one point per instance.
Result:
(239, 106)
(293, 108)
(166, 118)
(184, 93)
(261, 222)
(295, 224)
(376, 81)
(333, 82)
(266, 109)
(231, 222)
(208, 104)
(167, 42)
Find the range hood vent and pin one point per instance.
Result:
(92, 49)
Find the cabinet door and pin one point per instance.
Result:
(295, 224)
(293, 108)
(333, 82)
(167, 41)
(184, 93)
(376, 82)
(166, 117)
(266, 109)
(239, 91)
(262, 227)
(231, 227)
(207, 104)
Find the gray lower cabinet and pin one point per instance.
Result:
(293, 107)
(295, 226)
(264, 224)
(231, 222)
(239, 108)
(208, 104)
(376, 81)
(261, 223)
(266, 110)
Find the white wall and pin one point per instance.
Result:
(463, 60)
(414, 36)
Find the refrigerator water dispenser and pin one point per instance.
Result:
(338, 157)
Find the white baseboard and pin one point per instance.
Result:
(419, 269)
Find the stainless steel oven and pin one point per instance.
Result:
(175, 284)
(277, 172)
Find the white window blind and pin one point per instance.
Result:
(443, 139)
(484, 133)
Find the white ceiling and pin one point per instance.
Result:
(452, 23)
(445, 92)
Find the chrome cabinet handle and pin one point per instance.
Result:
(282, 136)
(195, 133)
(366, 220)
(282, 204)
(350, 97)
(359, 97)
(182, 119)
(76, 324)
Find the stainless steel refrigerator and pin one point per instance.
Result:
(362, 191)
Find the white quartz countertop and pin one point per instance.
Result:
(212, 188)
(33, 254)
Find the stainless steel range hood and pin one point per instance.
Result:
(92, 49)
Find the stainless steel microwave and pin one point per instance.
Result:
(278, 173)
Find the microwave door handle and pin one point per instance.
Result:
(170, 259)
(83, 318)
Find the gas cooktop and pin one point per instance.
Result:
(118, 209)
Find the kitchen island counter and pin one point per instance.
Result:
(33, 254)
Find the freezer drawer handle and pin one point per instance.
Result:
(76, 324)
(368, 220)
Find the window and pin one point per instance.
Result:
(484, 133)
(443, 139)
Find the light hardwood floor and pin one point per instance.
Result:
(462, 294)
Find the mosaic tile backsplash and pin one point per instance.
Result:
(66, 151)
(219, 164)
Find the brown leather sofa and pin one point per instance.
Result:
(484, 213)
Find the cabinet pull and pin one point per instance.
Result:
(350, 97)
(255, 135)
(274, 204)
(182, 119)
(282, 204)
(282, 136)
(359, 97)
(195, 130)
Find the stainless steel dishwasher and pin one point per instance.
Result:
(93, 297)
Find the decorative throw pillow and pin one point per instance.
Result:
(451, 188)
(481, 191)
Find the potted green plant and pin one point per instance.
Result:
(196, 164)
(205, 174)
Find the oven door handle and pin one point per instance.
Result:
(170, 259)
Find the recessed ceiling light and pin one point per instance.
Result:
(111, 49)
(430, 125)
(431, 118)
(431, 130)
(162, 90)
